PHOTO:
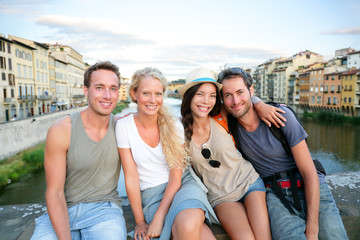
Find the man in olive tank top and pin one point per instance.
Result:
(82, 166)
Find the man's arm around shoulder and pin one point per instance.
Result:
(57, 145)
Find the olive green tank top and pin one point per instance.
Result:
(231, 180)
(92, 168)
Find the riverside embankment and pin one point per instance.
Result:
(22, 134)
(18, 221)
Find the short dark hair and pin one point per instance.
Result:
(106, 65)
(235, 72)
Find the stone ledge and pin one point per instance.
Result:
(17, 222)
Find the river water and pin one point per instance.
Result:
(337, 146)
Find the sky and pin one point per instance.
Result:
(178, 36)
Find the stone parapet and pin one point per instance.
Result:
(25, 133)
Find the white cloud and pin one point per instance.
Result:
(352, 31)
(91, 29)
(24, 7)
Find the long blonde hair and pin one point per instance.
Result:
(171, 142)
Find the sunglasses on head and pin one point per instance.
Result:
(205, 152)
(231, 71)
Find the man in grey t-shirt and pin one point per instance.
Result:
(301, 206)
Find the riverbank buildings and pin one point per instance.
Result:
(39, 78)
(309, 83)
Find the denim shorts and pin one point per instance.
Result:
(95, 221)
(258, 185)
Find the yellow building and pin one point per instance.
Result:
(7, 83)
(24, 79)
(174, 86)
(52, 81)
(40, 74)
(62, 85)
(348, 94)
(357, 96)
(124, 89)
(75, 68)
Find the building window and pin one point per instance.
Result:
(2, 62)
(334, 100)
(339, 88)
(349, 99)
(20, 90)
(3, 76)
(25, 71)
(11, 79)
(9, 47)
(329, 100)
(10, 64)
(19, 69)
(344, 99)
(12, 93)
(30, 72)
(319, 99)
(332, 88)
(2, 46)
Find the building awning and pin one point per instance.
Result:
(62, 103)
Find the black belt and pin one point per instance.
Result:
(291, 174)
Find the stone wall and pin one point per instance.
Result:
(21, 134)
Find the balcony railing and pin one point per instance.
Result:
(8, 100)
(25, 98)
(44, 97)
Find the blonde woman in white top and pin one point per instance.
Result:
(164, 197)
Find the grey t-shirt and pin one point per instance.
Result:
(266, 152)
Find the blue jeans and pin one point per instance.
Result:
(258, 185)
(285, 226)
(102, 220)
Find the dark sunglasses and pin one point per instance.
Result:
(207, 155)
(231, 71)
